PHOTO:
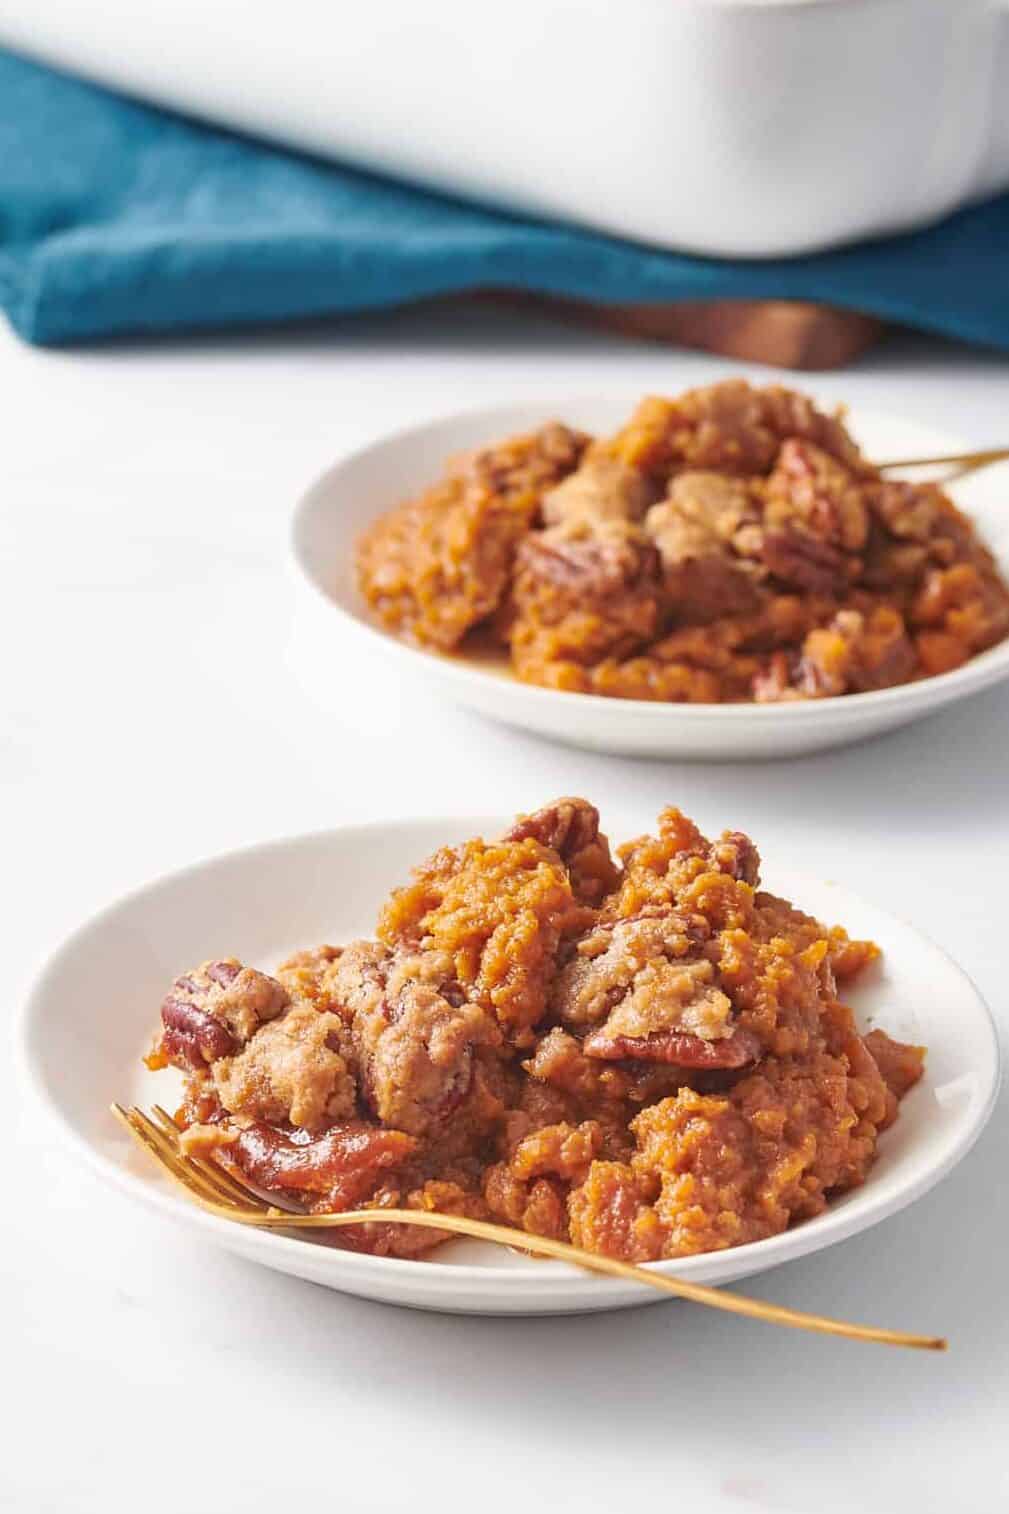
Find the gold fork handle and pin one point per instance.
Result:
(245, 1207)
(967, 462)
(698, 1293)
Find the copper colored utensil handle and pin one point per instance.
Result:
(229, 1200)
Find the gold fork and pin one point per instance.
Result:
(961, 463)
(221, 1193)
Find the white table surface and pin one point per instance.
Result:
(160, 706)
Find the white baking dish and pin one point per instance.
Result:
(749, 128)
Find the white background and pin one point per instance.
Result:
(161, 703)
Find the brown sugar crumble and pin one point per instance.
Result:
(729, 545)
(643, 1052)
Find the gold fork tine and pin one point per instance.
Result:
(224, 1184)
(173, 1160)
(251, 1212)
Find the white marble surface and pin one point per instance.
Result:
(160, 704)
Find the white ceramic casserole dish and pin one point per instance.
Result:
(740, 128)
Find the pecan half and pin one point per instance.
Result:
(192, 1037)
(215, 1009)
(798, 559)
(567, 825)
(677, 1047)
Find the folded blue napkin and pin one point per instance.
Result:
(119, 218)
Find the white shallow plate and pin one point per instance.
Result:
(94, 1008)
(360, 487)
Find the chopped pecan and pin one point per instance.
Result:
(735, 854)
(567, 825)
(571, 828)
(818, 494)
(798, 559)
(911, 512)
(584, 591)
(212, 1011)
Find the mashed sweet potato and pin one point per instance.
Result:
(731, 544)
(643, 1053)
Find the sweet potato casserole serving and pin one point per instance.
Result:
(646, 1055)
(732, 544)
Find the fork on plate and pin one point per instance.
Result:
(225, 1195)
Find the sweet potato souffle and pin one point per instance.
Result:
(729, 545)
(643, 1053)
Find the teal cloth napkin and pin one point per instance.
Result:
(119, 218)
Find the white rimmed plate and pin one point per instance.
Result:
(93, 1010)
(361, 486)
